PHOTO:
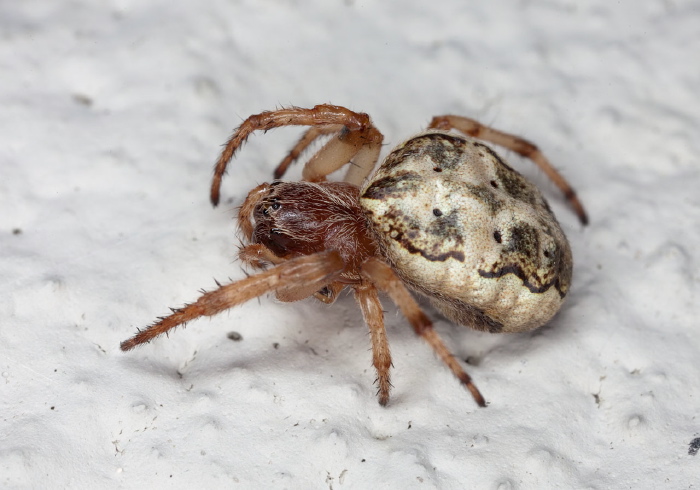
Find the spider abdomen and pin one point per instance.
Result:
(462, 227)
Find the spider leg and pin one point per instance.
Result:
(308, 137)
(384, 277)
(341, 150)
(330, 292)
(368, 299)
(245, 212)
(258, 256)
(519, 145)
(363, 162)
(357, 130)
(308, 271)
(360, 148)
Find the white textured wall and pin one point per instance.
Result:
(112, 115)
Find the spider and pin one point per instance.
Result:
(443, 216)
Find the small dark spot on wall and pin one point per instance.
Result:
(82, 99)
(694, 446)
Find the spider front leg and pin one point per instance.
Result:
(258, 256)
(309, 273)
(368, 299)
(245, 212)
(311, 135)
(517, 144)
(384, 277)
(357, 148)
(357, 138)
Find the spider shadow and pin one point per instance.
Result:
(474, 348)
(286, 340)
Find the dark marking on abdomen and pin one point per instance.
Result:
(432, 257)
(517, 271)
(406, 182)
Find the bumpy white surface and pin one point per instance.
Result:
(112, 115)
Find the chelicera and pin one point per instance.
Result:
(443, 216)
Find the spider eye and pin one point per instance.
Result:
(272, 203)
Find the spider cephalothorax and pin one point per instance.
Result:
(443, 215)
(301, 218)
